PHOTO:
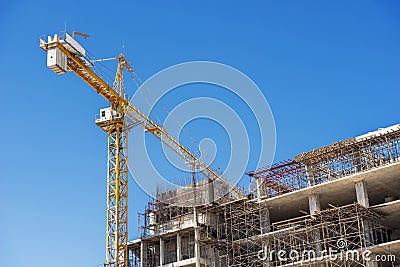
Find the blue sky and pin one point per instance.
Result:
(329, 70)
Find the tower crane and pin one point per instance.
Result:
(64, 54)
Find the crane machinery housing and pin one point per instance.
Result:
(65, 53)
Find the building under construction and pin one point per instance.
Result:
(324, 208)
(337, 205)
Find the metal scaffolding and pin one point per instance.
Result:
(239, 232)
(329, 163)
(243, 241)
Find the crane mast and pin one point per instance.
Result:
(117, 177)
(65, 54)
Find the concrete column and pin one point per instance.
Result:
(314, 203)
(309, 175)
(196, 238)
(362, 194)
(261, 189)
(210, 191)
(141, 253)
(197, 246)
(265, 220)
(357, 161)
(363, 200)
(315, 206)
(161, 251)
(178, 247)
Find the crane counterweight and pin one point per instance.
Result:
(57, 61)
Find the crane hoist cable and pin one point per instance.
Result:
(133, 74)
(77, 64)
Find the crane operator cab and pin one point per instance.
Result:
(107, 117)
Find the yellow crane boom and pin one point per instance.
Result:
(65, 53)
(76, 65)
